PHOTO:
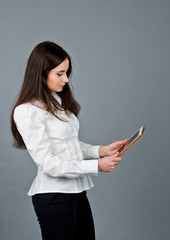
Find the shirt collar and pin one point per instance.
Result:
(57, 97)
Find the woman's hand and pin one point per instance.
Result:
(107, 164)
(111, 148)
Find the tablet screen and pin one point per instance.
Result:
(129, 141)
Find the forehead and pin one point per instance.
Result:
(63, 66)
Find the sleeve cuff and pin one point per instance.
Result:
(90, 167)
(93, 151)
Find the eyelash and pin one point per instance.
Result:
(59, 74)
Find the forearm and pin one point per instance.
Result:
(89, 151)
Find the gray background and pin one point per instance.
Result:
(121, 57)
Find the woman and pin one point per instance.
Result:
(44, 121)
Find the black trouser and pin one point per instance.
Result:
(64, 216)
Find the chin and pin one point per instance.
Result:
(59, 90)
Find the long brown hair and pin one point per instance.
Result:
(44, 57)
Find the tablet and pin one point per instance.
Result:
(131, 141)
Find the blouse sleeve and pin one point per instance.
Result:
(89, 151)
(32, 130)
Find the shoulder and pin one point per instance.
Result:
(28, 110)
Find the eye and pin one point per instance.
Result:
(59, 74)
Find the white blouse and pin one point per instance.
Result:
(55, 148)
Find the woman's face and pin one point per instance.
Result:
(57, 76)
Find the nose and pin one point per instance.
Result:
(66, 80)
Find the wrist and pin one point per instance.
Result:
(99, 168)
(102, 151)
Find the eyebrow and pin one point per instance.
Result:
(61, 71)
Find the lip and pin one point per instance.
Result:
(62, 85)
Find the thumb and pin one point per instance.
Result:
(116, 154)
